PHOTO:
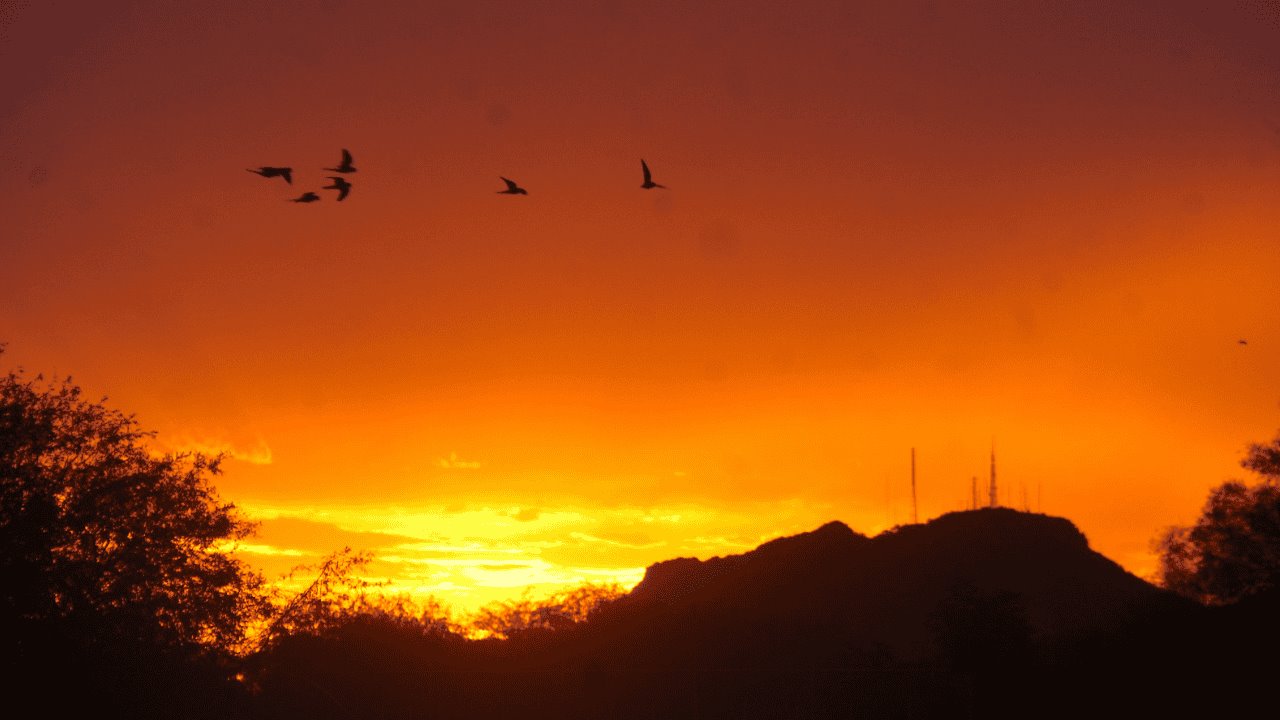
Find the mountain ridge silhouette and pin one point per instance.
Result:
(987, 613)
(888, 586)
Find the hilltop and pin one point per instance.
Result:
(1006, 582)
(883, 593)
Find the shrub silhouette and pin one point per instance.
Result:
(560, 611)
(332, 599)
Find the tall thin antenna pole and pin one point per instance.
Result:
(915, 516)
(992, 494)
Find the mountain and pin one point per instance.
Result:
(990, 613)
(890, 594)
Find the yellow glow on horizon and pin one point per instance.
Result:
(261, 549)
(470, 556)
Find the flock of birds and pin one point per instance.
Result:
(343, 186)
(339, 183)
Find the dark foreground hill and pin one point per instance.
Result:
(990, 613)
(893, 595)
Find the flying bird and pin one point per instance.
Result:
(512, 188)
(1242, 342)
(648, 179)
(341, 185)
(306, 197)
(270, 172)
(345, 166)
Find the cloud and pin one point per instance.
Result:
(586, 537)
(454, 463)
(270, 550)
(318, 536)
(524, 514)
(259, 453)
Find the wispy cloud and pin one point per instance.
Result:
(524, 514)
(453, 462)
(270, 550)
(616, 543)
(257, 453)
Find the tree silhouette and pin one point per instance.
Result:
(105, 545)
(1233, 550)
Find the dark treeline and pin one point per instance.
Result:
(118, 598)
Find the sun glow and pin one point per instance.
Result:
(877, 234)
(471, 556)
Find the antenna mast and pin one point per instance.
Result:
(992, 494)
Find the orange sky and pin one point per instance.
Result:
(888, 225)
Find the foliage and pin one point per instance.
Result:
(1233, 550)
(1264, 459)
(106, 543)
(331, 596)
(558, 612)
(338, 596)
(339, 599)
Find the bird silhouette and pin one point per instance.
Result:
(306, 197)
(341, 185)
(270, 172)
(1242, 342)
(345, 166)
(512, 188)
(648, 178)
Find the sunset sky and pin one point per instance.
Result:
(888, 225)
